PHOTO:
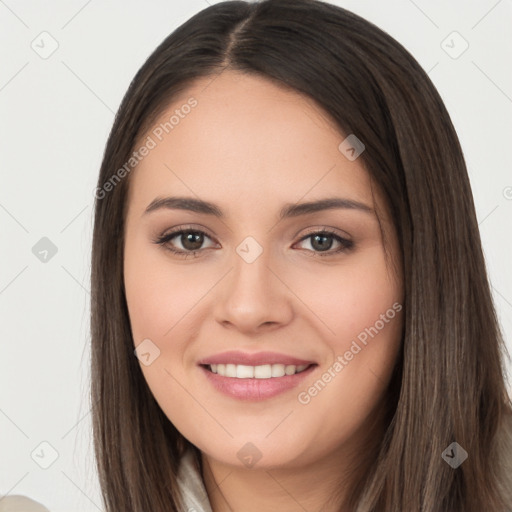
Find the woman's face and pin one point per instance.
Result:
(269, 291)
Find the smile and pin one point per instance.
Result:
(265, 371)
(255, 383)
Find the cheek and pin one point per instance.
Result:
(361, 311)
(351, 297)
(162, 300)
(159, 295)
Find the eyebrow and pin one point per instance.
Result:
(288, 210)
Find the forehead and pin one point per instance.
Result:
(249, 141)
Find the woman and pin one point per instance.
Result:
(290, 307)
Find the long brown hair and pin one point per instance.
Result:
(449, 380)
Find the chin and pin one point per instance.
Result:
(260, 452)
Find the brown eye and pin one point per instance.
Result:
(190, 240)
(322, 241)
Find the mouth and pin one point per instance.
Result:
(264, 371)
(253, 383)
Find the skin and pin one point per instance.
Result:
(250, 146)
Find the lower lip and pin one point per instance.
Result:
(255, 389)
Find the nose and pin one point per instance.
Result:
(254, 297)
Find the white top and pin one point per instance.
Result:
(191, 484)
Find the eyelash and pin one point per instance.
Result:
(164, 239)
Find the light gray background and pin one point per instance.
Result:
(56, 115)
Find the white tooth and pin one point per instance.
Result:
(231, 370)
(289, 369)
(263, 372)
(277, 370)
(244, 372)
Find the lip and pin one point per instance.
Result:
(253, 389)
(256, 359)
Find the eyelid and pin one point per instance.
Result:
(310, 231)
(174, 232)
(345, 241)
(327, 229)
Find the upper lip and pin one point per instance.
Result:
(256, 359)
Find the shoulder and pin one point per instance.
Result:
(20, 504)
